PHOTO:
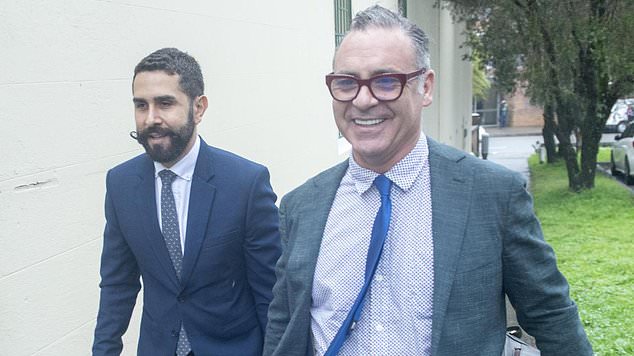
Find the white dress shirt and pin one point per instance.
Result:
(397, 315)
(181, 187)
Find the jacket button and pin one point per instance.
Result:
(174, 333)
(181, 299)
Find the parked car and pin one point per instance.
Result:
(618, 119)
(622, 155)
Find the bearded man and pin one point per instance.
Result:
(198, 224)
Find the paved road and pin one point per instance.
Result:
(513, 151)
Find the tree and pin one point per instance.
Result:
(481, 84)
(574, 56)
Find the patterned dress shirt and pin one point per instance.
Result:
(181, 188)
(397, 316)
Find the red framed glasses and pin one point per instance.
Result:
(384, 87)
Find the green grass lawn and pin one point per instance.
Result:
(593, 236)
(604, 154)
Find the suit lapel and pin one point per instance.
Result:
(146, 203)
(310, 222)
(201, 200)
(451, 186)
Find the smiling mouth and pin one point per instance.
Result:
(156, 138)
(370, 122)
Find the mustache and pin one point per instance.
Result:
(142, 136)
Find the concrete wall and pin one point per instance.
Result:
(66, 110)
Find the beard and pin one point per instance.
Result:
(178, 140)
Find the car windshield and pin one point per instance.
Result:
(620, 106)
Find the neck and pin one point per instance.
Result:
(382, 164)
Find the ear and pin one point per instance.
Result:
(200, 106)
(428, 88)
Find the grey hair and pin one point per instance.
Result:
(379, 17)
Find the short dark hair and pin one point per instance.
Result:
(379, 17)
(173, 61)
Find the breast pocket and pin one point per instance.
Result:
(216, 241)
(221, 257)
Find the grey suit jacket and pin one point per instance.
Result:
(487, 243)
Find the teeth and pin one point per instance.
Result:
(368, 122)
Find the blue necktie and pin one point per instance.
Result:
(379, 233)
(171, 234)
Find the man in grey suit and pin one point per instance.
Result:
(462, 232)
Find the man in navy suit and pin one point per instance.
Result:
(205, 243)
(461, 235)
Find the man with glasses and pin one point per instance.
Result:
(409, 246)
(198, 224)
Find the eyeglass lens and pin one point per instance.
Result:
(382, 87)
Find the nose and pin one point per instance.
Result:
(153, 116)
(364, 98)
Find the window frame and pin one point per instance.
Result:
(402, 7)
(343, 18)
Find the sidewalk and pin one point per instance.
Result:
(495, 131)
(511, 147)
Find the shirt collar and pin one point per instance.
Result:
(184, 168)
(403, 174)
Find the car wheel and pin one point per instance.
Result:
(621, 126)
(612, 165)
(629, 180)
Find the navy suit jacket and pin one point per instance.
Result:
(231, 248)
(487, 243)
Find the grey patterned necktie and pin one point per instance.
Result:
(171, 234)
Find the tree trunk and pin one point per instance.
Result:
(591, 130)
(548, 132)
(591, 60)
(566, 119)
(589, 152)
(561, 101)
(569, 154)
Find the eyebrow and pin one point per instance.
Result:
(165, 98)
(155, 99)
(372, 74)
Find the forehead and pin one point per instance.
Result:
(375, 51)
(156, 83)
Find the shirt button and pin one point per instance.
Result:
(379, 327)
(379, 277)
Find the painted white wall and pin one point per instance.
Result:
(66, 110)
(450, 114)
(360, 5)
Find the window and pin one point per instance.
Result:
(343, 17)
(402, 7)
(629, 131)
